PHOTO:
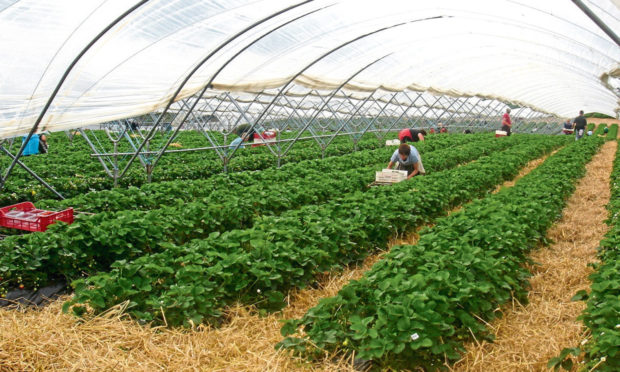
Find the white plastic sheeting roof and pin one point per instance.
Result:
(547, 55)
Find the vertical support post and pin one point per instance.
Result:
(401, 115)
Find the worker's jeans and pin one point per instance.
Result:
(579, 133)
(506, 129)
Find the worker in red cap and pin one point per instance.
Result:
(411, 135)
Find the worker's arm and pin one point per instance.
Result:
(421, 137)
(390, 165)
(416, 170)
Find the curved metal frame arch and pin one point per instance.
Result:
(60, 83)
(201, 63)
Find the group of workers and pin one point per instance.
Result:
(578, 126)
(407, 157)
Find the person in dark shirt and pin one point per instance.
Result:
(411, 135)
(579, 124)
(568, 127)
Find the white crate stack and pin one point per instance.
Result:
(390, 176)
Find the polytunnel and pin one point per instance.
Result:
(323, 68)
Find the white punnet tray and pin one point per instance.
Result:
(390, 176)
(394, 142)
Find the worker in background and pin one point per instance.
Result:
(32, 147)
(408, 159)
(506, 122)
(442, 129)
(42, 144)
(239, 141)
(411, 135)
(568, 128)
(247, 130)
(579, 125)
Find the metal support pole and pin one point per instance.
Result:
(309, 128)
(401, 115)
(377, 116)
(469, 115)
(446, 110)
(346, 122)
(330, 96)
(35, 127)
(31, 172)
(584, 8)
(290, 81)
(202, 62)
(492, 110)
(427, 110)
(92, 147)
(457, 110)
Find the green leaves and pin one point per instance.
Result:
(433, 295)
(286, 251)
(602, 312)
(563, 359)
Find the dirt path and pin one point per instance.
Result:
(50, 340)
(528, 336)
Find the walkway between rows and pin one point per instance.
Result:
(527, 336)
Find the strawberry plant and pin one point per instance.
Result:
(259, 265)
(417, 305)
(602, 314)
(612, 134)
(71, 170)
(92, 243)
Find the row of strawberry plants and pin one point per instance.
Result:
(68, 158)
(602, 313)
(154, 195)
(71, 170)
(418, 304)
(600, 129)
(195, 281)
(613, 132)
(92, 243)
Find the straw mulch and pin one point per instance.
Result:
(526, 170)
(527, 336)
(49, 340)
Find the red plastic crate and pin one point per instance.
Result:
(265, 137)
(24, 216)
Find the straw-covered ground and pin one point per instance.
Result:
(48, 340)
(527, 336)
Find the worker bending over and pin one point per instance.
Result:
(407, 158)
(411, 135)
